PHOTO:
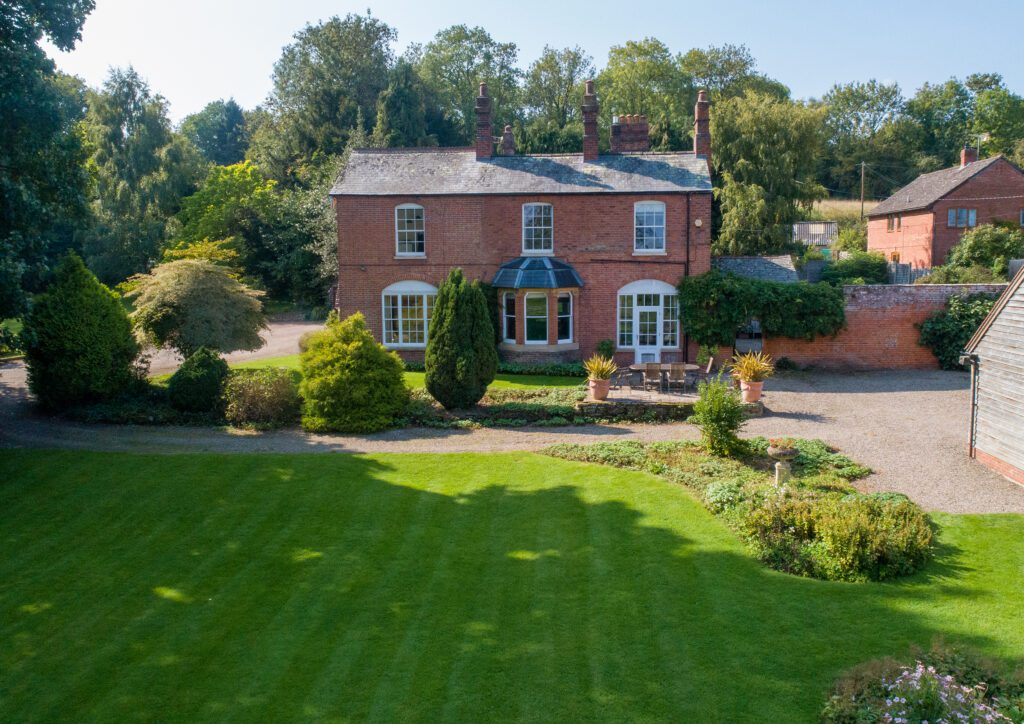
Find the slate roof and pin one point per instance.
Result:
(536, 272)
(766, 268)
(446, 171)
(928, 188)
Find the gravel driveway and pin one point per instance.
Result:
(910, 427)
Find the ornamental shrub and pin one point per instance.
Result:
(198, 383)
(77, 340)
(461, 359)
(719, 415)
(860, 267)
(989, 245)
(350, 383)
(266, 397)
(714, 306)
(959, 275)
(948, 331)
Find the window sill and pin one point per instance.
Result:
(539, 253)
(405, 346)
(410, 256)
(653, 252)
(539, 347)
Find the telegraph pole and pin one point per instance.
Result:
(862, 191)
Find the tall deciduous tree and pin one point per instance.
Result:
(554, 84)
(455, 62)
(727, 71)
(765, 152)
(943, 113)
(644, 77)
(330, 74)
(142, 171)
(218, 131)
(43, 181)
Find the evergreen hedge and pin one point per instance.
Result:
(461, 359)
(713, 306)
(78, 341)
(198, 383)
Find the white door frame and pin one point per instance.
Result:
(635, 289)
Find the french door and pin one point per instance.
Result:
(648, 323)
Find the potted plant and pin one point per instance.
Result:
(599, 375)
(752, 369)
(782, 448)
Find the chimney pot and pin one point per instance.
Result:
(589, 122)
(508, 142)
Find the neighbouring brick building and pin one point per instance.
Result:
(921, 222)
(579, 247)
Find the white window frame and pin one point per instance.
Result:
(427, 293)
(558, 317)
(538, 252)
(632, 290)
(398, 241)
(505, 317)
(647, 207)
(1022, 217)
(527, 318)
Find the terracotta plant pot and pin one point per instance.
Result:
(751, 391)
(599, 389)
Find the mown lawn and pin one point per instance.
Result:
(469, 587)
(415, 379)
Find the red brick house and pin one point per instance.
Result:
(579, 247)
(921, 222)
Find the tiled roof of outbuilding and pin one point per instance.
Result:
(446, 171)
(536, 272)
(766, 268)
(928, 188)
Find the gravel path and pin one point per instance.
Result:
(909, 427)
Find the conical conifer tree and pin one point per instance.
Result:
(461, 359)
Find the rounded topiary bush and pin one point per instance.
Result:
(265, 397)
(350, 383)
(461, 359)
(197, 385)
(78, 340)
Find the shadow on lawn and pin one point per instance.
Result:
(351, 589)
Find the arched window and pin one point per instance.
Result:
(410, 230)
(648, 227)
(648, 318)
(538, 229)
(407, 307)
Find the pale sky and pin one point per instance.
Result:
(196, 51)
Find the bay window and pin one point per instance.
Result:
(564, 317)
(509, 317)
(536, 308)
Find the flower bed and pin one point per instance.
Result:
(818, 525)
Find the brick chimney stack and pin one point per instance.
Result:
(484, 137)
(968, 154)
(630, 133)
(589, 123)
(702, 127)
(508, 142)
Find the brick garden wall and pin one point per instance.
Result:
(881, 330)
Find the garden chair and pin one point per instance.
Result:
(677, 377)
(621, 377)
(652, 375)
(705, 374)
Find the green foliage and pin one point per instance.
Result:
(188, 304)
(719, 414)
(599, 368)
(461, 359)
(43, 175)
(402, 110)
(948, 274)
(218, 131)
(713, 306)
(553, 89)
(852, 238)
(861, 694)
(605, 348)
(948, 331)
(727, 71)
(991, 246)
(77, 339)
(262, 398)
(326, 83)
(197, 385)
(764, 152)
(350, 383)
(860, 267)
(455, 62)
(142, 171)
